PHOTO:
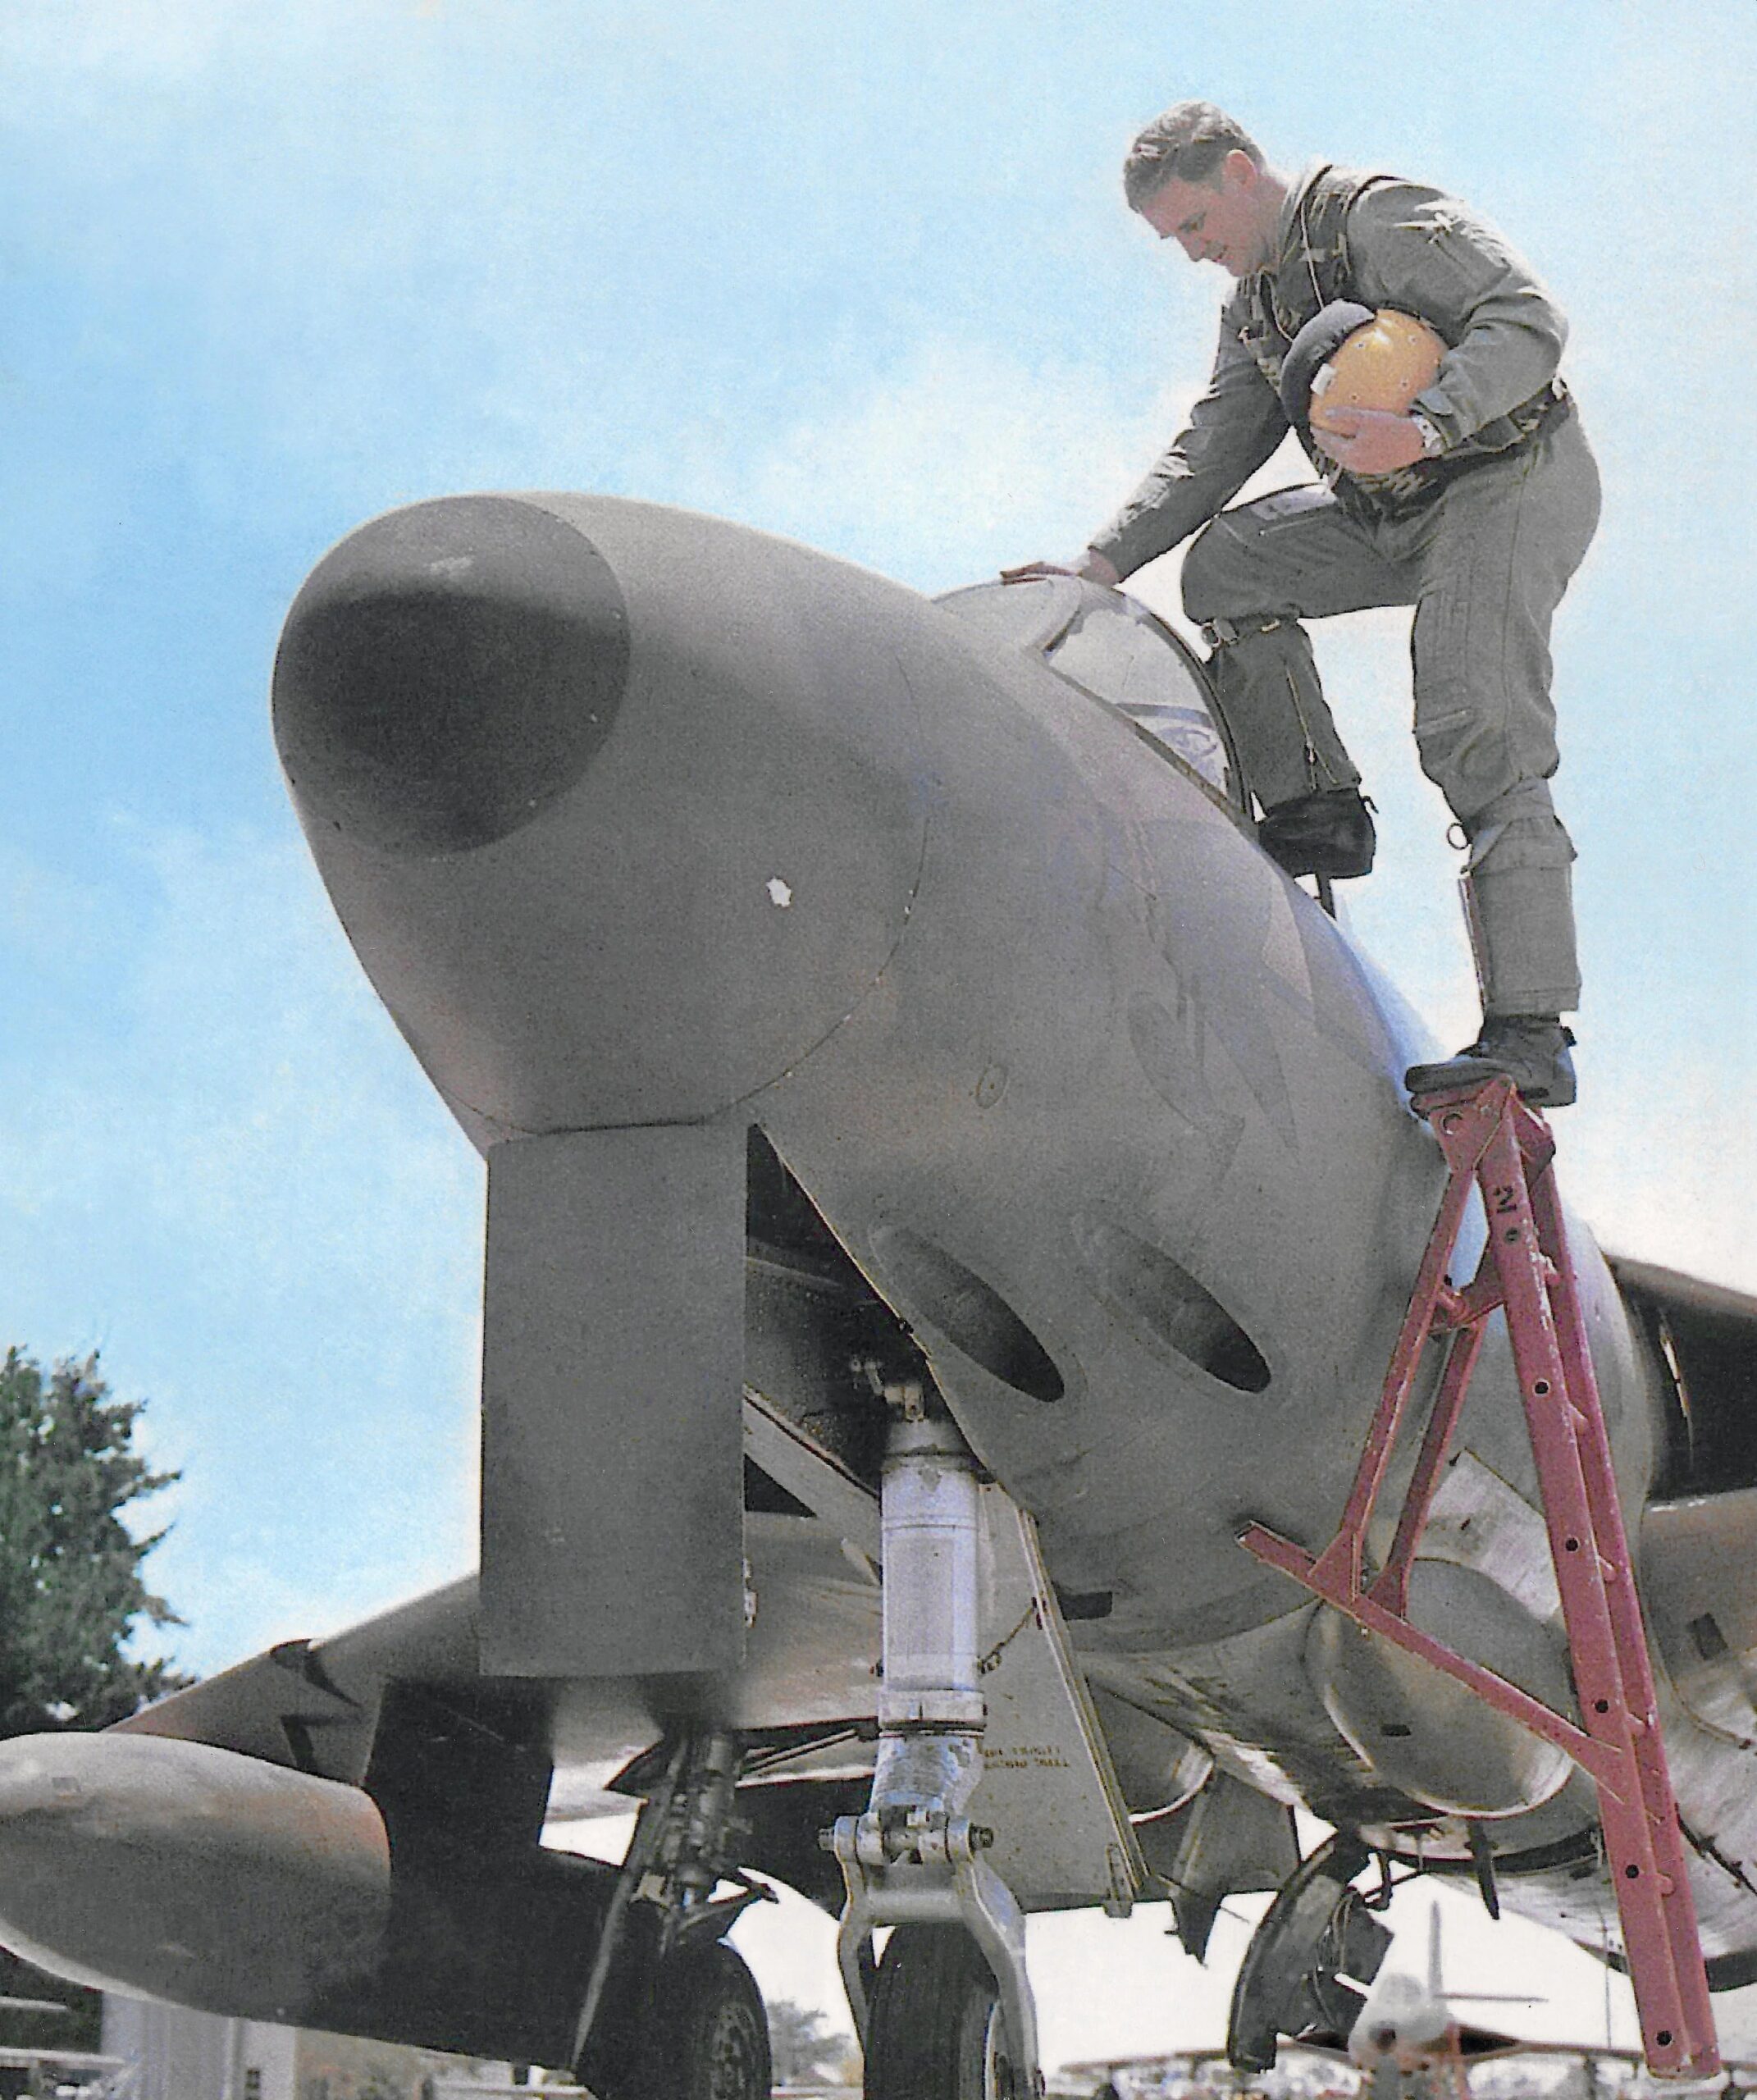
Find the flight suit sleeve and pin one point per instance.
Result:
(1234, 426)
(1425, 254)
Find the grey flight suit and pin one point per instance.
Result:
(1482, 543)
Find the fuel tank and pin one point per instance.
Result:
(177, 1870)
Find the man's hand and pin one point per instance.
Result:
(1095, 568)
(1368, 441)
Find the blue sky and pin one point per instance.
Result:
(861, 276)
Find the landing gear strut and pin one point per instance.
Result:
(951, 2016)
(670, 2012)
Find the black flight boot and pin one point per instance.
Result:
(1328, 834)
(1530, 1048)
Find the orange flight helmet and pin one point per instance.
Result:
(1383, 364)
(1348, 357)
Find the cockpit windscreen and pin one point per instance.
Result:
(1110, 645)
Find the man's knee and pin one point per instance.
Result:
(1219, 583)
(1214, 570)
(1518, 828)
(1477, 752)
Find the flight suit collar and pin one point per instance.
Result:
(1289, 221)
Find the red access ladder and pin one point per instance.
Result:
(1491, 1139)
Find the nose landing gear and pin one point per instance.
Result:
(951, 2016)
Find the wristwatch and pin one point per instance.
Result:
(1433, 444)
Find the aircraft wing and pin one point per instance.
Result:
(315, 1706)
(1477, 2043)
(1496, 2048)
(1474, 2043)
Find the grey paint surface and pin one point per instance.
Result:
(613, 1358)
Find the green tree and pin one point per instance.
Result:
(806, 2050)
(70, 1598)
(70, 1589)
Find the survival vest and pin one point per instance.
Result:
(1312, 269)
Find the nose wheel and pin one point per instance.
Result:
(935, 2028)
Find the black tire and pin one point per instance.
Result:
(936, 2031)
(707, 2036)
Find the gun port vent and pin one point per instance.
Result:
(937, 1288)
(1165, 1305)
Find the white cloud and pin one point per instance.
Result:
(961, 459)
(242, 1189)
(154, 44)
(1661, 1171)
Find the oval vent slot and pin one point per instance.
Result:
(1158, 1294)
(970, 1313)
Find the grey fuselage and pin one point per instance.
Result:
(1106, 1108)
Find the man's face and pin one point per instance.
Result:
(1227, 219)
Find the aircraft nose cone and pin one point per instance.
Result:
(446, 673)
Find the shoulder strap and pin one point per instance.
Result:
(1319, 251)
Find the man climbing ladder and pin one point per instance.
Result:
(1474, 501)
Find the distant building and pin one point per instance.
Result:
(199, 2056)
(1204, 2075)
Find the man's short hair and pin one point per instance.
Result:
(1185, 144)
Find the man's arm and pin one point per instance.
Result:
(1234, 426)
(1424, 253)
(1094, 567)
